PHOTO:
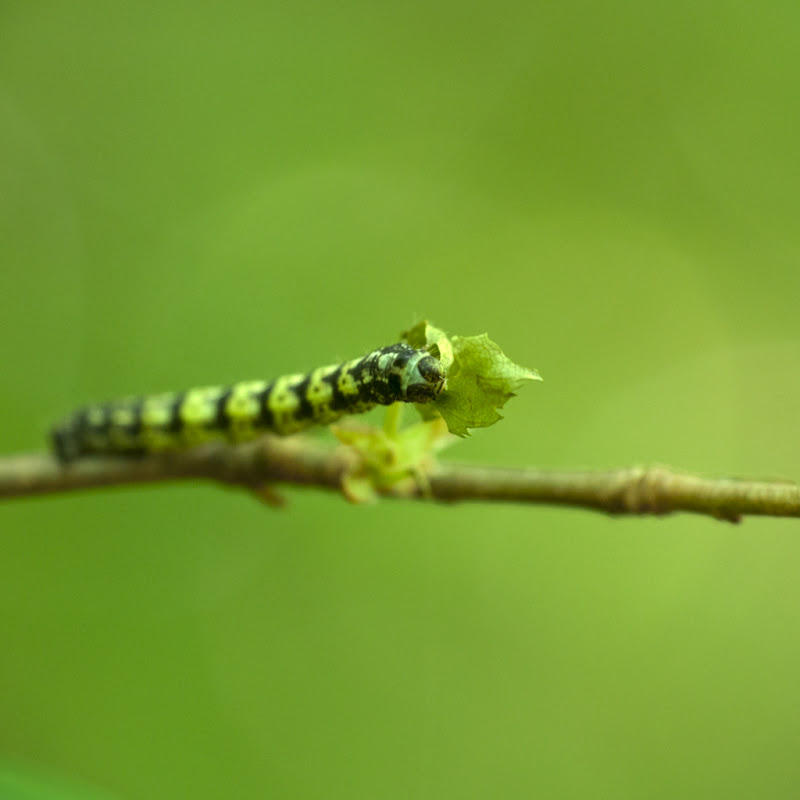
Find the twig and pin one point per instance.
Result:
(257, 465)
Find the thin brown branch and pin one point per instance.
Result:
(270, 460)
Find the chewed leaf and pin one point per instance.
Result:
(480, 378)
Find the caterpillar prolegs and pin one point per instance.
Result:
(153, 423)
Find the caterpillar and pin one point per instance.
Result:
(242, 411)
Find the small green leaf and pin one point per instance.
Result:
(398, 459)
(480, 378)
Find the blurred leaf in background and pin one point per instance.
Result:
(196, 194)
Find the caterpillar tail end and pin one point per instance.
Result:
(66, 445)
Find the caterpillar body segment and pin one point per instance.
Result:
(154, 423)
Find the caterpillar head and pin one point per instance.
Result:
(423, 378)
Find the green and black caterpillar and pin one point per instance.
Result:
(154, 423)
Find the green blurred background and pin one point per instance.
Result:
(198, 193)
